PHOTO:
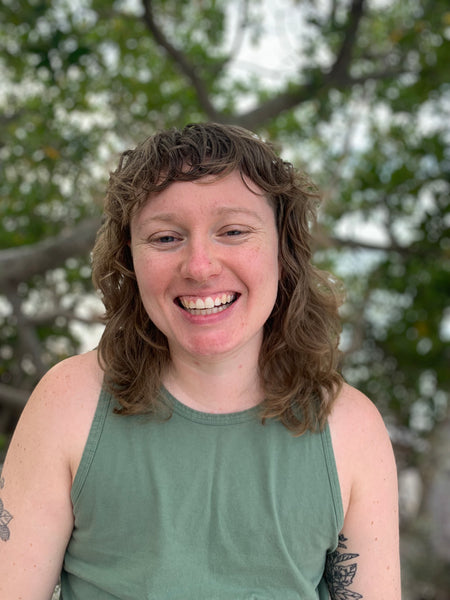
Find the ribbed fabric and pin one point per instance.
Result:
(201, 507)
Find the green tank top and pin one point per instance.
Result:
(201, 507)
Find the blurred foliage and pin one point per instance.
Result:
(83, 80)
(361, 101)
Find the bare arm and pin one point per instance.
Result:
(37, 519)
(366, 563)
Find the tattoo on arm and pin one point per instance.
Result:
(340, 576)
(5, 517)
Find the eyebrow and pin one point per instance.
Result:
(228, 210)
(224, 210)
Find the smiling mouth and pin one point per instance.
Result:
(207, 306)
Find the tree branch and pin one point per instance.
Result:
(340, 68)
(293, 96)
(323, 240)
(188, 70)
(13, 397)
(19, 264)
(338, 75)
(274, 106)
(50, 317)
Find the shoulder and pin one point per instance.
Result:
(61, 408)
(80, 373)
(68, 389)
(361, 443)
(353, 412)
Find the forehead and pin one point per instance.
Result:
(210, 194)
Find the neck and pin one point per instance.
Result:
(215, 386)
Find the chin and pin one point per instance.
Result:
(217, 347)
(211, 351)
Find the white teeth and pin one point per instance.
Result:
(209, 305)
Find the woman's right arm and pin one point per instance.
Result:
(36, 517)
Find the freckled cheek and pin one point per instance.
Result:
(264, 271)
(151, 280)
(147, 268)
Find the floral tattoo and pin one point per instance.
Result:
(340, 576)
(5, 517)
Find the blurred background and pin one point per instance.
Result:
(355, 92)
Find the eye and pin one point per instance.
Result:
(234, 232)
(164, 239)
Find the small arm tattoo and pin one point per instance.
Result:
(340, 576)
(5, 517)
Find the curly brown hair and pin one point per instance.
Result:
(299, 354)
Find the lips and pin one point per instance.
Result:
(207, 305)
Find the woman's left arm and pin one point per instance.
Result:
(366, 562)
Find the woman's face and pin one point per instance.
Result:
(205, 255)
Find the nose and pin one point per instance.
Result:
(200, 261)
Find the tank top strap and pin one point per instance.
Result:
(101, 412)
(333, 476)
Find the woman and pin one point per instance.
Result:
(208, 448)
